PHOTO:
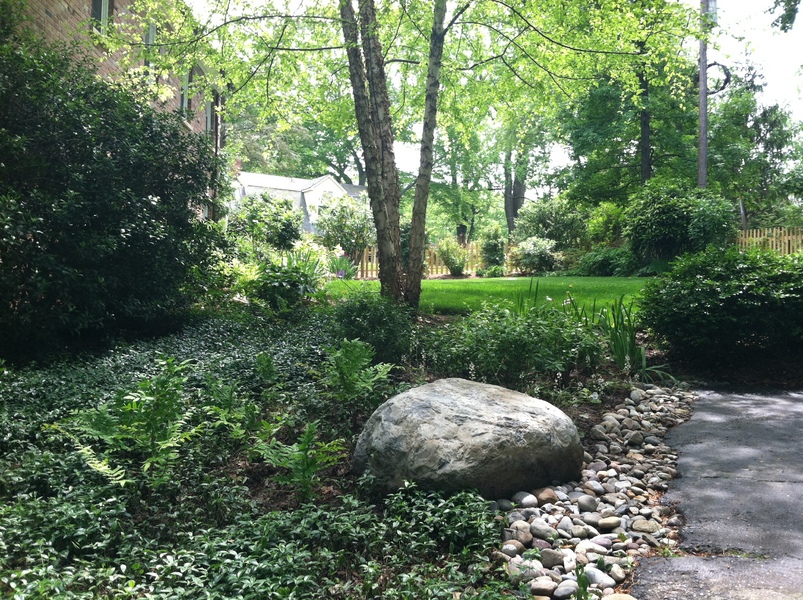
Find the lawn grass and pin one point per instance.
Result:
(459, 296)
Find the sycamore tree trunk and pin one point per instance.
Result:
(372, 108)
(415, 269)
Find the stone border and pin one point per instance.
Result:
(600, 526)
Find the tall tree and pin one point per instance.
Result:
(752, 148)
(282, 58)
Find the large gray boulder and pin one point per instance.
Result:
(455, 434)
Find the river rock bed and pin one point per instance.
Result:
(599, 526)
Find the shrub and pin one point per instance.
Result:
(379, 321)
(534, 255)
(97, 200)
(725, 302)
(347, 223)
(264, 220)
(606, 224)
(666, 219)
(492, 247)
(607, 262)
(493, 271)
(553, 219)
(281, 286)
(499, 345)
(453, 255)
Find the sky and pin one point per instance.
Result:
(777, 55)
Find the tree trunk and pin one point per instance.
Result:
(702, 158)
(645, 144)
(361, 179)
(372, 108)
(515, 186)
(415, 270)
(462, 232)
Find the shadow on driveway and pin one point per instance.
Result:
(740, 459)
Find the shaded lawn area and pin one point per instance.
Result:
(456, 296)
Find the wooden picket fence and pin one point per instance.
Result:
(784, 240)
(369, 264)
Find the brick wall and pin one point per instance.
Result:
(69, 20)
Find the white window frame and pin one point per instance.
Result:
(185, 93)
(101, 25)
(210, 116)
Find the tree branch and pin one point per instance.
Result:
(559, 43)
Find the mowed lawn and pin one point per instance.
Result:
(454, 296)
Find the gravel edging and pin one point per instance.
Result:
(599, 526)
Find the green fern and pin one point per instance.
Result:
(115, 475)
(150, 423)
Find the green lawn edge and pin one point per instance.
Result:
(461, 296)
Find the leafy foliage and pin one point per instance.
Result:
(303, 460)
(377, 320)
(494, 271)
(607, 262)
(619, 329)
(265, 220)
(751, 151)
(97, 199)
(342, 267)
(352, 385)
(553, 219)
(503, 346)
(347, 223)
(281, 286)
(453, 255)
(606, 224)
(534, 255)
(725, 303)
(492, 246)
(667, 219)
(148, 424)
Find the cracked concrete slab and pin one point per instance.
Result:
(740, 459)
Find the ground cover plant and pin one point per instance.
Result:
(212, 463)
(461, 296)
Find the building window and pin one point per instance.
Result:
(210, 116)
(150, 36)
(102, 11)
(150, 42)
(186, 103)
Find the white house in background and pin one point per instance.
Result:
(308, 195)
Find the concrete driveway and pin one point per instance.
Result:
(740, 491)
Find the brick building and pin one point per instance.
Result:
(81, 20)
